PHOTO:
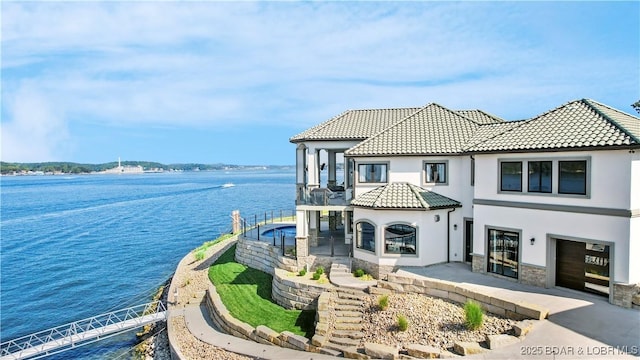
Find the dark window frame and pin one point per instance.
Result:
(585, 178)
(368, 174)
(540, 173)
(434, 165)
(408, 247)
(371, 244)
(502, 182)
(505, 248)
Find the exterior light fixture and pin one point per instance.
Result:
(455, 226)
(533, 240)
(436, 218)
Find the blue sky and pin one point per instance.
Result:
(231, 82)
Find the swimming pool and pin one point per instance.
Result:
(289, 231)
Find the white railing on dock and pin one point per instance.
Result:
(78, 333)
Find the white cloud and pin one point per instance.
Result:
(37, 130)
(210, 64)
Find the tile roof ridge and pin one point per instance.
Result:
(455, 112)
(498, 120)
(590, 104)
(522, 122)
(416, 190)
(324, 124)
(369, 139)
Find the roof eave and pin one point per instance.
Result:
(538, 150)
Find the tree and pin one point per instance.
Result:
(636, 106)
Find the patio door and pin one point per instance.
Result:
(503, 252)
(468, 240)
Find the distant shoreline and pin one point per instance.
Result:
(127, 167)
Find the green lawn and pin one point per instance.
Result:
(246, 293)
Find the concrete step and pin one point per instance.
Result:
(346, 295)
(349, 352)
(352, 302)
(350, 291)
(344, 341)
(331, 352)
(347, 334)
(348, 326)
(344, 307)
(348, 319)
(345, 313)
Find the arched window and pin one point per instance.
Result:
(366, 236)
(400, 239)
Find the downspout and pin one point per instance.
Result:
(449, 234)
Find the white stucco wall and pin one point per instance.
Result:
(610, 178)
(410, 169)
(431, 236)
(634, 251)
(539, 224)
(635, 181)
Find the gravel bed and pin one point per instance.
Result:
(192, 348)
(432, 321)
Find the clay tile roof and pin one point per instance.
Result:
(480, 117)
(433, 129)
(577, 124)
(403, 196)
(355, 124)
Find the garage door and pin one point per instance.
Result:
(582, 266)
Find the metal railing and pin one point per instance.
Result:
(322, 197)
(82, 332)
(265, 227)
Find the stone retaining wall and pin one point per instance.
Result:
(176, 283)
(263, 256)
(262, 334)
(296, 293)
(516, 310)
(322, 320)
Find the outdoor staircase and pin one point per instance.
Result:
(346, 324)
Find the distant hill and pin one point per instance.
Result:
(7, 168)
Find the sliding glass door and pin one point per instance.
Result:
(503, 252)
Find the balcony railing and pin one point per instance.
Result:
(323, 196)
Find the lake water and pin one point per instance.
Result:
(77, 246)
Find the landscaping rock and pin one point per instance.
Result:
(500, 341)
(468, 348)
(523, 327)
(379, 351)
(423, 351)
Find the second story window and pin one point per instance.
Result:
(540, 176)
(511, 176)
(372, 173)
(572, 177)
(435, 172)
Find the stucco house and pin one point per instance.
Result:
(549, 201)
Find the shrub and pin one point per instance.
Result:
(383, 302)
(316, 276)
(302, 272)
(358, 273)
(200, 254)
(473, 315)
(320, 270)
(403, 323)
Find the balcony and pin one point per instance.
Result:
(335, 196)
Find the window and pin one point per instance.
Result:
(540, 176)
(572, 177)
(400, 239)
(435, 173)
(365, 236)
(511, 176)
(372, 173)
(503, 252)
